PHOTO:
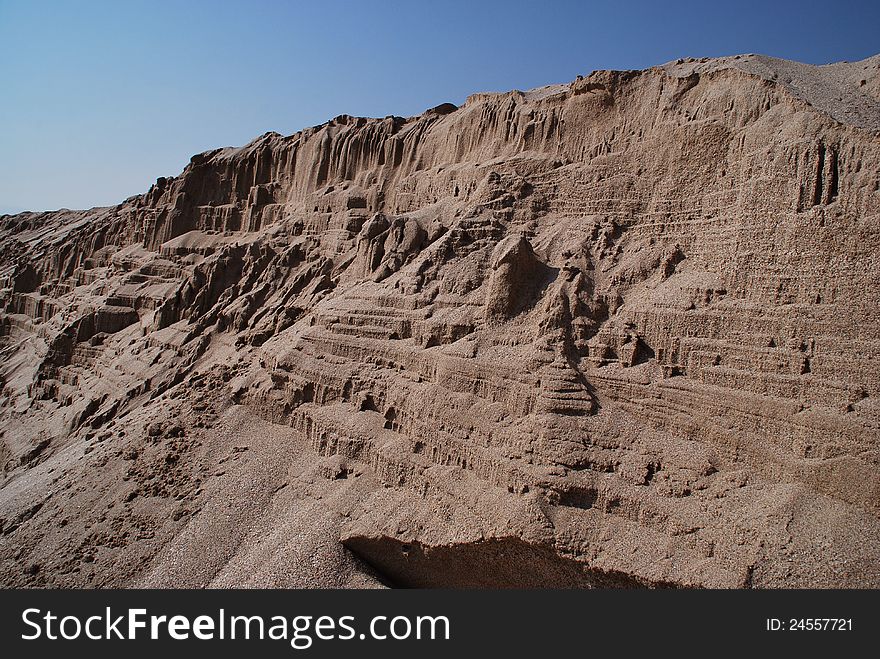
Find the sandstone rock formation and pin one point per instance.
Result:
(621, 332)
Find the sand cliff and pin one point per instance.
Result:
(620, 332)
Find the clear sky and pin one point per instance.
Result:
(98, 99)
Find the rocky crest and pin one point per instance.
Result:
(621, 332)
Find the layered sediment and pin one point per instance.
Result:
(620, 332)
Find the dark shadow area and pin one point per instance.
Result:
(497, 563)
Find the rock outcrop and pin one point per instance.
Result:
(620, 332)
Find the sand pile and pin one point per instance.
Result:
(620, 332)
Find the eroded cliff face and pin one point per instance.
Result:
(621, 332)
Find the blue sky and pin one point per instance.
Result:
(97, 99)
